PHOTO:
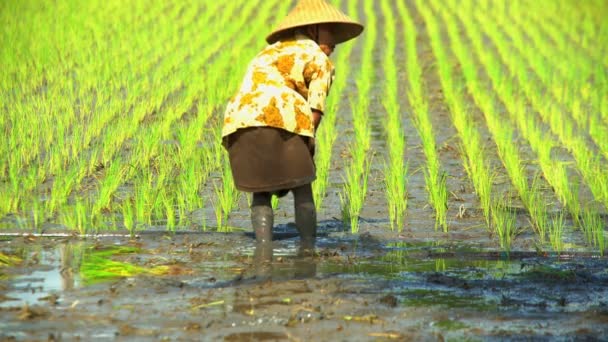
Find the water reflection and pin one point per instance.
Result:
(302, 265)
(52, 272)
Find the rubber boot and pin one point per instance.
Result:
(306, 217)
(262, 219)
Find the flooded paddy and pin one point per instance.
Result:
(133, 192)
(191, 286)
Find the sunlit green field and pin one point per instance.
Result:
(487, 114)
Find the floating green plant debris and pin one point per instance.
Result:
(8, 260)
(449, 324)
(97, 265)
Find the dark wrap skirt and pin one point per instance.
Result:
(268, 159)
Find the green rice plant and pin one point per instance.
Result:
(538, 212)
(474, 157)
(504, 220)
(111, 182)
(169, 213)
(550, 112)
(77, 216)
(502, 132)
(396, 183)
(227, 196)
(128, 217)
(355, 188)
(556, 231)
(395, 170)
(58, 156)
(554, 171)
(592, 226)
(434, 177)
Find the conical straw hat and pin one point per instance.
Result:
(310, 12)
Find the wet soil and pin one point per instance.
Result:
(362, 287)
(378, 284)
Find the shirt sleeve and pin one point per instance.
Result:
(321, 75)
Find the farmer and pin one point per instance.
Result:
(269, 125)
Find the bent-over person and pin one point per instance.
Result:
(270, 124)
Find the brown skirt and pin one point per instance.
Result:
(267, 159)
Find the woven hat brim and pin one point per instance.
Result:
(312, 12)
(341, 31)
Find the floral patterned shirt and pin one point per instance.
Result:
(282, 84)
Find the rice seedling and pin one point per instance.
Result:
(357, 173)
(355, 188)
(128, 217)
(592, 226)
(474, 157)
(395, 171)
(504, 222)
(556, 231)
(226, 198)
(435, 179)
(327, 135)
(76, 216)
(551, 113)
(502, 133)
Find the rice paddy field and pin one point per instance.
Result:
(462, 178)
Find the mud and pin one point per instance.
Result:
(416, 284)
(361, 287)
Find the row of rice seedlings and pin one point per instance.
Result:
(79, 94)
(474, 157)
(541, 142)
(573, 62)
(566, 75)
(502, 131)
(227, 196)
(60, 188)
(357, 172)
(435, 178)
(327, 135)
(578, 22)
(112, 185)
(212, 158)
(395, 170)
(588, 163)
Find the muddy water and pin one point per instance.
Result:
(365, 287)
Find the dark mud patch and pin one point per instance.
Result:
(221, 287)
